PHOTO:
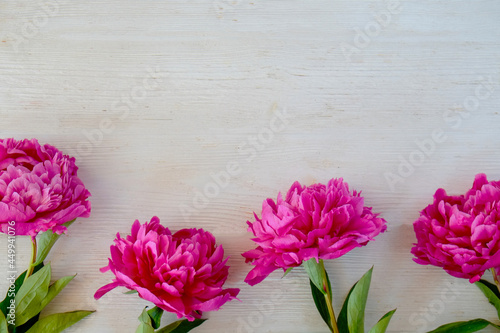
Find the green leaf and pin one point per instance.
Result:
(130, 292)
(320, 301)
(491, 292)
(58, 322)
(31, 295)
(26, 326)
(10, 293)
(320, 287)
(55, 289)
(464, 326)
(382, 324)
(181, 326)
(317, 273)
(145, 326)
(357, 303)
(171, 327)
(155, 315)
(144, 317)
(45, 243)
(288, 270)
(3, 324)
(342, 318)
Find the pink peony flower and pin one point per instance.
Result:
(181, 273)
(318, 221)
(39, 188)
(461, 233)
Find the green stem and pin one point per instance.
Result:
(495, 278)
(329, 301)
(33, 259)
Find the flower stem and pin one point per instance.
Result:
(33, 259)
(329, 301)
(495, 278)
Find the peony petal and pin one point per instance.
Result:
(104, 289)
(258, 274)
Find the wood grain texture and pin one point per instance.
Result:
(184, 88)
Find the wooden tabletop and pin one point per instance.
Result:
(159, 100)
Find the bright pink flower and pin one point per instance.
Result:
(461, 233)
(321, 222)
(39, 188)
(181, 273)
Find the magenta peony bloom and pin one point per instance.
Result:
(461, 233)
(181, 273)
(321, 222)
(39, 188)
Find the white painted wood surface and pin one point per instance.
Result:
(155, 97)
